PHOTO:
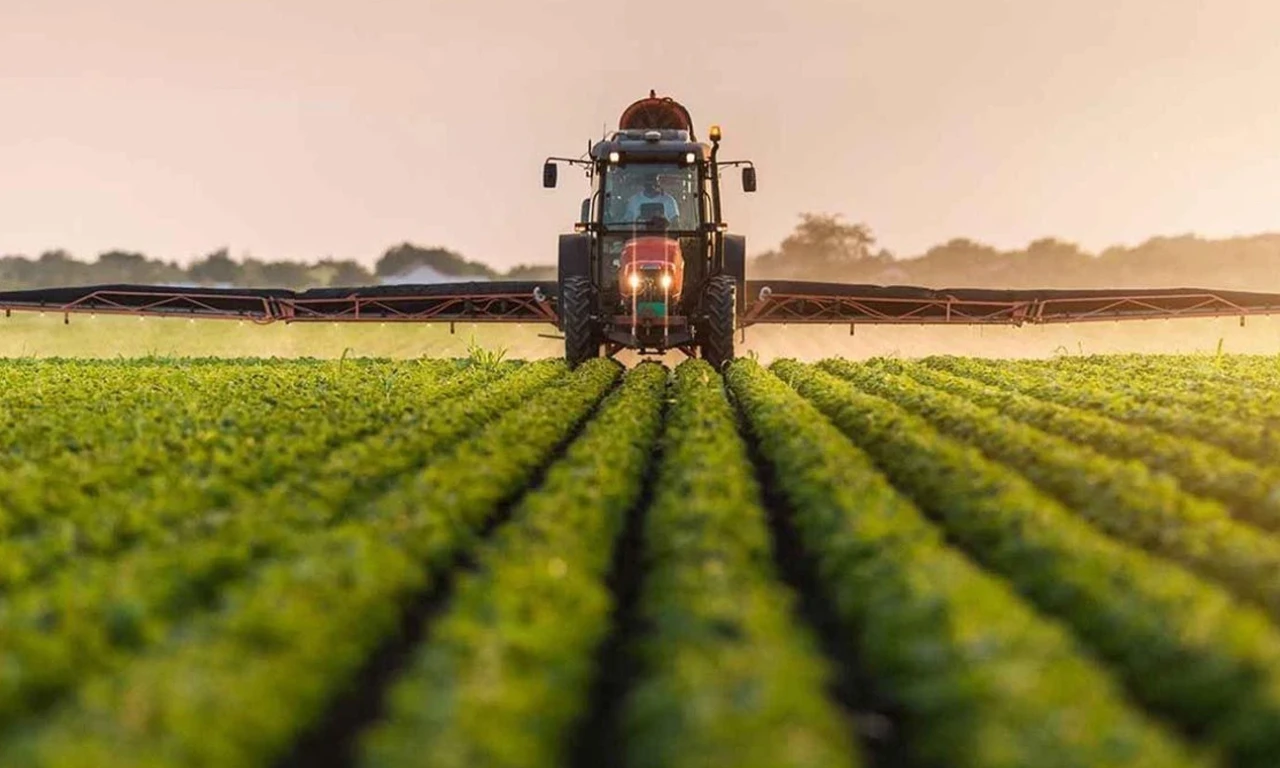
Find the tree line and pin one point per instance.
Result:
(825, 247)
(60, 268)
(822, 247)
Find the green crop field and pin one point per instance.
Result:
(475, 561)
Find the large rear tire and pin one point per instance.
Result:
(580, 340)
(721, 304)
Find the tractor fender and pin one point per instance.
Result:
(575, 256)
(735, 263)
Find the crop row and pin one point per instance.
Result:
(1122, 498)
(1205, 470)
(1161, 384)
(208, 422)
(68, 410)
(727, 676)
(169, 510)
(504, 676)
(187, 488)
(1185, 648)
(1254, 373)
(980, 678)
(99, 613)
(1255, 442)
(288, 640)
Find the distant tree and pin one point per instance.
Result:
(1053, 248)
(962, 251)
(343, 273)
(124, 267)
(531, 272)
(823, 247)
(406, 257)
(59, 268)
(56, 258)
(959, 261)
(285, 274)
(216, 268)
(1050, 261)
(20, 272)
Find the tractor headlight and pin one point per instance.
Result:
(614, 157)
(634, 281)
(690, 158)
(665, 281)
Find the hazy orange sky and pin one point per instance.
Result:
(306, 128)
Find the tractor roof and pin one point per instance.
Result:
(653, 129)
(650, 145)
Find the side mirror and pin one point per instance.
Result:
(549, 172)
(749, 179)
(585, 216)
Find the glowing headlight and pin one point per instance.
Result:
(634, 281)
(614, 157)
(690, 158)
(665, 280)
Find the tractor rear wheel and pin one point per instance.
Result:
(720, 303)
(580, 341)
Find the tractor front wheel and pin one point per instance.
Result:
(580, 340)
(720, 304)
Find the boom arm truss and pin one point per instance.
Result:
(766, 302)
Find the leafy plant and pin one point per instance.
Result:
(482, 357)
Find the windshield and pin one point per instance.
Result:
(651, 194)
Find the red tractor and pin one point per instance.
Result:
(650, 265)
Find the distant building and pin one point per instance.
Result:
(424, 275)
(890, 276)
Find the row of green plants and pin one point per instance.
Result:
(505, 674)
(1255, 442)
(239, 685)
(1254, 371)
(264, 452)
(1257, 369)
(1248, 490)
(69, 409)
(727, 672)
(1185, 648)
(1123, 498)
(96, 614)
(36, 413)
(978, 677)
(252, 449)
(1159, 383)
(108, 434)
(118, 430)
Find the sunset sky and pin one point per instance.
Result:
(310, 128)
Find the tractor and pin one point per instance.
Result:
(650, 265)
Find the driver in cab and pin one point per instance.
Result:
(651, 195)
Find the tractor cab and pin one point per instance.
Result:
(649, 243)
(649, 214)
